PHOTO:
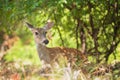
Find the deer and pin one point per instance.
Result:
(51, 55)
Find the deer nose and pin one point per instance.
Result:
(46, 41)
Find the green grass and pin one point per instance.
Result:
(23, 53)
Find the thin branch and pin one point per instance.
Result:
(59, 30)
(77, 28)
(111, 50)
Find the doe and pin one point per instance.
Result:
(51, 55)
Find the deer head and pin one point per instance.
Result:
(40, 33)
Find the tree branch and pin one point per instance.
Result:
(59, 31)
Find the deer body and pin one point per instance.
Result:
(50, 55)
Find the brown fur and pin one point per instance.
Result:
(51, 55)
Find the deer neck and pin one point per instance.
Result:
(43, 53)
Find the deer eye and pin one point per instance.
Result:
(36, 33)
(45, 33)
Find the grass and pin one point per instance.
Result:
(27, 54)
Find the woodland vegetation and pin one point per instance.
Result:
(92, 26)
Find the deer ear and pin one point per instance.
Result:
(30, 26)
(49, 25)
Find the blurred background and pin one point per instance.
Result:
(92, 26)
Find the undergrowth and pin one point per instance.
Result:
(22, 63)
